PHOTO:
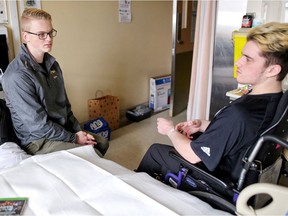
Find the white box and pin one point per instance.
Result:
(160, 91)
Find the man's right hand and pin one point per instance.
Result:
(83, 138)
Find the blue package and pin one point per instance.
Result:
(99, 127)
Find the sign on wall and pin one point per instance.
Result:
(30, 4)
(124, 11)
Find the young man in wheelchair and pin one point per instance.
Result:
(263, 65)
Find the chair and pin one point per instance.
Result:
(262, 162)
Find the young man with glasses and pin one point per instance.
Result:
(263, 65)
(35, 93)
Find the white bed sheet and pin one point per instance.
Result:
(78, 182)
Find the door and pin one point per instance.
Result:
(229, 19)
(183, 30)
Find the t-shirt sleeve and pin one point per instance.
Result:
(222, 135)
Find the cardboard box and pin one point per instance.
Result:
(160, 91)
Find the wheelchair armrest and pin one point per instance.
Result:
(200, 173)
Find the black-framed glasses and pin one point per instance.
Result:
(44, 35)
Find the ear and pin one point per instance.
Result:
(273, 70)
(25, 36)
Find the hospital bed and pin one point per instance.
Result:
(79, 182)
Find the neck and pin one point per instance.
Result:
(267, 90)
(36, 55)
(38, 59)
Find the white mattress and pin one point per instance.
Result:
(78, 182)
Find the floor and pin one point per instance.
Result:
(129, 143)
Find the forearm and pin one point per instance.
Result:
(72, 122)
(183, 146)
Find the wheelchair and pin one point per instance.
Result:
(260, 163)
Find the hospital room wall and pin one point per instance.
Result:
(97, 52)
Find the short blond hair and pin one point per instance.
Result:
(32, 14)
(272, 39)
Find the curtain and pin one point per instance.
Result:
(201, 74)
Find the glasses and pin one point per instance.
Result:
(44, 35)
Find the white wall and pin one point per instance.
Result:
(268, 10)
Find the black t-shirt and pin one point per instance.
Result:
(234, 128)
